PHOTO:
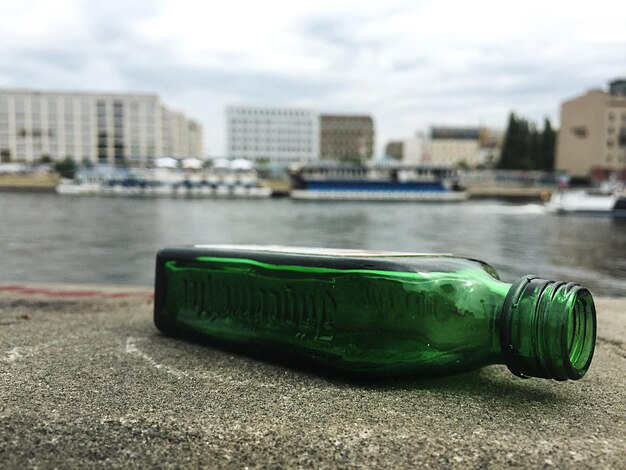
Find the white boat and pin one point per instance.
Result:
(166, 182)
(593, 202)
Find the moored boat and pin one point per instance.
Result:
(591, 202)
(376, 183)
(160, 182)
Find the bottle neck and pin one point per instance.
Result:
(547, 329)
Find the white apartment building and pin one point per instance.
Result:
(182, 137)
(278, 135)
(413, 150)
(99, 127)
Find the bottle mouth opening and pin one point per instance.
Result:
(580, 331)
(548, 329)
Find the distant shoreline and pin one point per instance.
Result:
(47, 184)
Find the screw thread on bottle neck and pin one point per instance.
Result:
(548, 329)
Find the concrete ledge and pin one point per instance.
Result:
(477, 191)
(86, 380)
(28, 183)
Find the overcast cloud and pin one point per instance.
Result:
(410, 64)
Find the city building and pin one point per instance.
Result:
(413, 149)
(182, 137)
(97, 127)
(345, 137)
(469, 146)
(593, 132)
(394, 149)
(453, 145)
(449, 146)
(277, 136)
(409, 151)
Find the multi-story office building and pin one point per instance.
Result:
(452, 145)
(181, 137)
(471, 146)
(99, 127)
(593, 131)
(345, 137)
(276, 135)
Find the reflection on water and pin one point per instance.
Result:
(114, 240)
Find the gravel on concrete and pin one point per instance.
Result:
(87, 381)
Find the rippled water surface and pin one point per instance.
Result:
(45, 237)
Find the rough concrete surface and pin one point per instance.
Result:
(87, 381)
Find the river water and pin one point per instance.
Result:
(50, 238)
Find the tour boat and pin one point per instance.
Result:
(376, 183)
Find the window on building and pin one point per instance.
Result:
(118, 109)
(19, 106)
(579, 131)
(101, 110)
(5, 155)
(68, 105)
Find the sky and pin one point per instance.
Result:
(409, 64)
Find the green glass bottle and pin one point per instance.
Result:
(376, 313)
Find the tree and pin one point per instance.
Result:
(351, 159)
(510, 148)
(525, 147)
(262, 162)
(548, 146)
(120, 161)
(66, 168)
(463, 165)
(533, 158)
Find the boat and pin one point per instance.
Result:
(217, 182)
(608, 200)
(375, 183)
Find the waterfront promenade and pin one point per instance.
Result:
(281, 188)
(87, 381)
